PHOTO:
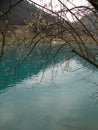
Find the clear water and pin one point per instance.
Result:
(53, 96)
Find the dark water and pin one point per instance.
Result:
(46, 94)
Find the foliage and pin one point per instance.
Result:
(45, 23)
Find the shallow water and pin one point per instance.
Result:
(56, 96)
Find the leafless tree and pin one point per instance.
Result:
(81, 35)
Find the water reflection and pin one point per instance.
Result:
(66, 105)
(40, 60)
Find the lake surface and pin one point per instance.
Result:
(41, 94)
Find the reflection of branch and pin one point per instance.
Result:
(87, 59)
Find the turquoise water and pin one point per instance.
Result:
(60, 94)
